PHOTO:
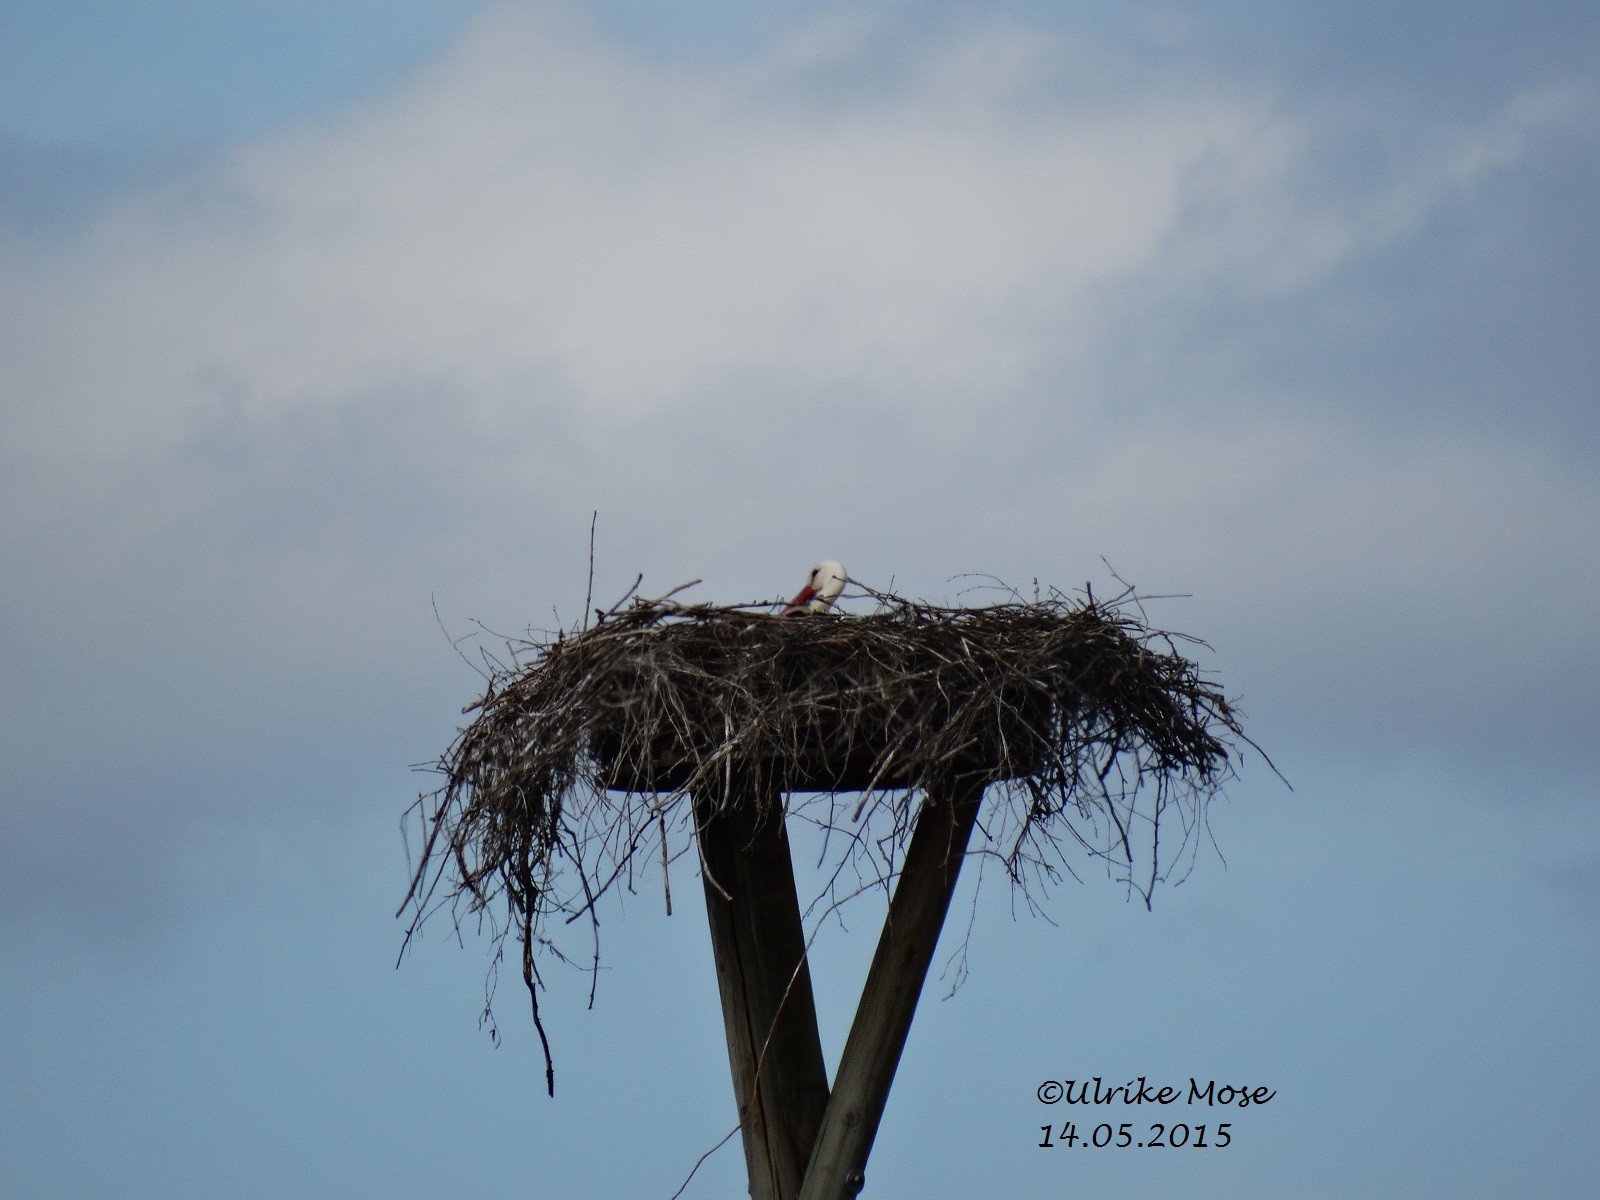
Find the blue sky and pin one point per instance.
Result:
(316, 316)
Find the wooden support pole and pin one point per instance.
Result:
(894, 983)
(768, 1012)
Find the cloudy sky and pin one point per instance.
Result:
(317, 318)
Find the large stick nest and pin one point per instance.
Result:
(584, 746)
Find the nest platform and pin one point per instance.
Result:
(665, 698)
(1070, 722)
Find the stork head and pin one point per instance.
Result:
(823, 585)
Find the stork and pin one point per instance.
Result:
(822, 588)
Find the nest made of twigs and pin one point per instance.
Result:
(1090, 723)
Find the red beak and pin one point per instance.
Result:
(803, 596)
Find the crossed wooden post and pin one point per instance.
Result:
(801, 1141)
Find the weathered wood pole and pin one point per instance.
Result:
(837, 1170)
(768, 1011)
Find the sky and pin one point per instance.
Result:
(326, 329)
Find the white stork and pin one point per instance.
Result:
(822, 588)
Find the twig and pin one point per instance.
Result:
(699, 1161)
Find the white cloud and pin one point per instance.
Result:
(634, 235)
(538, 203)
